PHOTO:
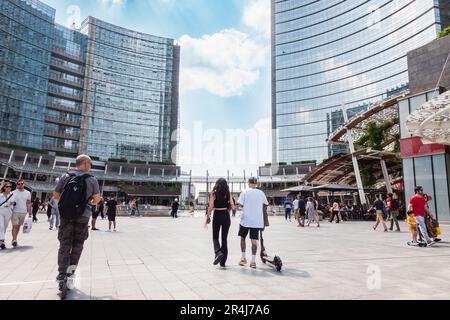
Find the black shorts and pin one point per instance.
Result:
(95, 214)
(111, 216)
(254, 232)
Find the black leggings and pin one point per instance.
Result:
(335, 214)
(221, 219)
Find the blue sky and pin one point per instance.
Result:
(225, 68)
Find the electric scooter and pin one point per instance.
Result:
(273, 261)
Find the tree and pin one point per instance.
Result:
(444, 32)
(375, 135)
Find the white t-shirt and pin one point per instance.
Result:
(21, 198)
(252, 214)
(295, 204)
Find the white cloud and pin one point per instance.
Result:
(223, 63)
(112, 3)
(257, 16)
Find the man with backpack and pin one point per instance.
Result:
(75, 193)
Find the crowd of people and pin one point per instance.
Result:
(77, 201)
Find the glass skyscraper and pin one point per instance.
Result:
(65, 91)
(329, 53)
(102, 90)
(131, 104)
(26, 39)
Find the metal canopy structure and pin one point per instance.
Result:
(431, 121)
(298, 189)
(382, 112)
(332, 187)
(339, 168)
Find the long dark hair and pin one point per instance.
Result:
(221, 190)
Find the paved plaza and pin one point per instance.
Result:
(161, 258)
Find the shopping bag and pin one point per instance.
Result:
(28, 224)
(438, 231)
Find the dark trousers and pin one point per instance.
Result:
(288, 214)
(221, 220)
(71, 236)
(174, 213)
(35, 210)
(335, 214)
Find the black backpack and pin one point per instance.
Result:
(74, 198)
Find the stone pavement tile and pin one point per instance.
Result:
(172, 286)
(185, 295)
(48, 294)
(158, 295)
(209, 293)
(331, 262)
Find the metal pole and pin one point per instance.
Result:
(386, 176)
(189, 188)
(355, 162)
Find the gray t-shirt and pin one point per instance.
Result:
(92, 188)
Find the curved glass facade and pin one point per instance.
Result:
(330, 53)
(131, 106)
(26, 38)
(105, 90)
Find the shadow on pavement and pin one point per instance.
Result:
(80, 295)
(19, 248)
(265, 271)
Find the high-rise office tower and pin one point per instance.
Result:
(329, 53)
(102, 90)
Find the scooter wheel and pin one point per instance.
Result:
(278, 263)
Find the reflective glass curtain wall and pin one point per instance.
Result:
(65, 94)
(334, 52)
(26, 38)
(130, 104)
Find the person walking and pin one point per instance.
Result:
(380, 208)
(288, 209)
(296, 209)
(220, 202)
(6, 206)
(55, 217)
(418, 206)
(22, 207)
(49, 210)
(252, 202)
(174, 208)
(94, 213)
(111, 211)
(35, 208)
(311, 210)
(133, 206)
(301, 211)
(335, 211)
(393, 206)
(74, 193)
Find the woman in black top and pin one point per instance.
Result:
(221, 202)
